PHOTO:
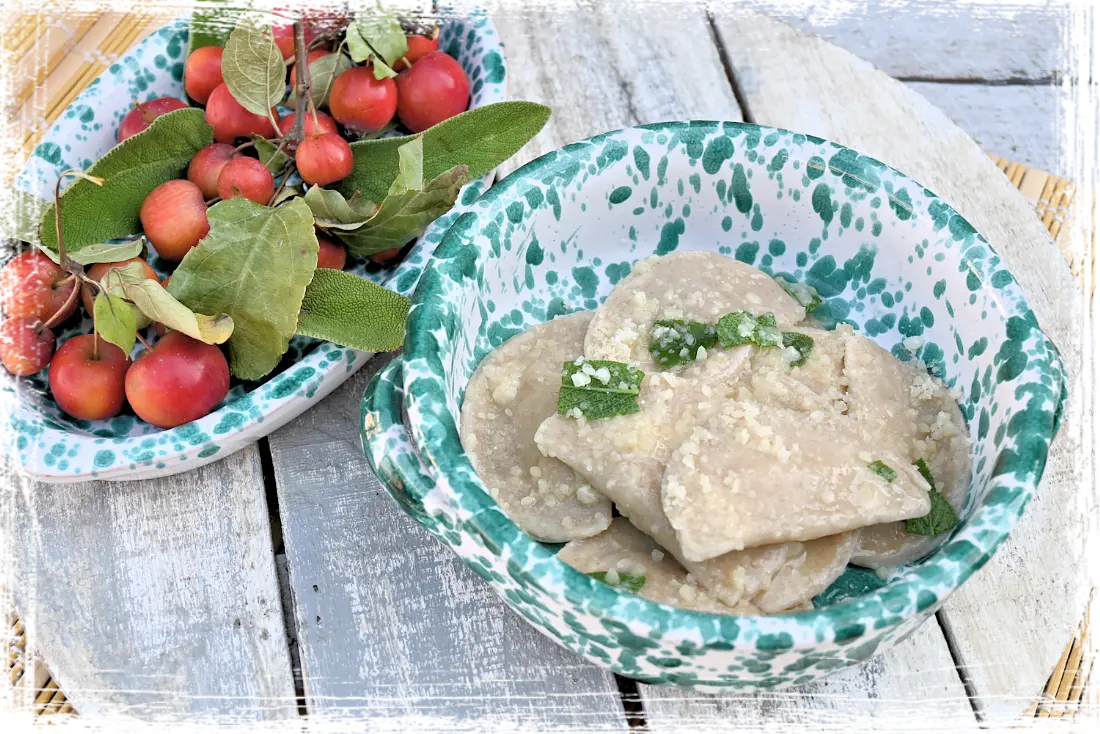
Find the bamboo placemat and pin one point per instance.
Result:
(50, 53)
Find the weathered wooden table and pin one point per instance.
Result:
(282, 580)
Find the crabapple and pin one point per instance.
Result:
(248, 178)
(231, 121)
(25, 345)
(32, 284)
(360, 102)
(419, 47)
(178, 380)
(203, 73)
(433, 90)
(144, 113)
(323, 124)
(174, 218)
(324, 159)
(331, 255)
(207, 164)
(87, 377)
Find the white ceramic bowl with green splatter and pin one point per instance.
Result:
(54, 447)
(888, 257)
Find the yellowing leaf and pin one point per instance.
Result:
(332, 211)
(384, 34)
(102, 252)
(253, 68)
(405, 216)
(115, 321)
(254, 265)
(150, 297)
(352, 312)
(94, 214)
(20, 214)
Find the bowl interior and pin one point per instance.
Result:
(886, 254)
(87, 130)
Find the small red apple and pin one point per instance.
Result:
(247, 178)
(331, 255)
(174, 218)
(203, 73)
(87, 379)
(144, 113)
(177, 381)
(207, 164)
(231, 121)
(32, 284)
(324, 159)
(25, 347)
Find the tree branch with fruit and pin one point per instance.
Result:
(256, 212)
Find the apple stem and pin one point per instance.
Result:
(302, 83)
(408, 64)
(144, 112)
(279, 190)
(55, 320)
(95, 342)
(212, 202)
(244, 146)
(141, 339)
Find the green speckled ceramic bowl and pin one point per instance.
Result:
(54, 447)
(887, 256)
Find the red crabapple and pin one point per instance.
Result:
(360, 102)
(203, 73)
(247, 178)
(324, 159)
(433, 90)
(25, 346)
(144, 113)
(174, 218)
(207, 164)
(87, 378)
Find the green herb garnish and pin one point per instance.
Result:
(741, 327)
(806, 295)
(941, 518)
(802, 342)
(882, 470)
(627, 582)
(599, 388)
(674, 342)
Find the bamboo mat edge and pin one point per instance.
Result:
(57, 55)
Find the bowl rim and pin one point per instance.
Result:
(284, 395)
(905, 596)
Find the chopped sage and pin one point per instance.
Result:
(627, 582)
(804, 343)
(674, 342)
(883, 470)
(941, 518)
(598, 388)
(805, 294)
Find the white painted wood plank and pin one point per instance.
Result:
(1023, 123)
(912, 687)
(607, 65)
(1011, 621)
(154, 597)
(932, 39)
(390, 622)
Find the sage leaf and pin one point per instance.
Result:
(94, 214)
(802, 343)
(410, 167)
(115, 321)
(941, 518)
(627, 582)
(254, 265)
(384, 34)
(404, 216)
(599, 388)
(674, 342)
(102, 252)
(212, 21)
(480, 139)
(269, 153)
(20, 214)
(151, 299)
(352, 312)
(332, 211)
(253, 68)
(322, 73)
(883, 470)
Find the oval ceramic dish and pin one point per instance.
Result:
(887, 256)
(56, 448)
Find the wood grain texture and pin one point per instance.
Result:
(1024, 123)
(1011, 621)
(156, 597)
(390, 622)
(932, 39)
(604, 66)
(912, 687)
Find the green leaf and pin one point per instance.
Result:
(804, 343)
(213, 21)
(741, 327)
(675, 342)
(883, 470)
(383, 33)
(269, 153)
(288, 192)
(131, 170)
(253, 265)
(410, 167)
(481, 139)
(599, 388)
(322, 73)
(115, 321)
(627, 582)
(358, 47)
(942, 518)
(805, 294)
(20, 214)
(332, 211)
(405, 216)
(102, 252)
(352, 312)
(253, 68)
(152, 300)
